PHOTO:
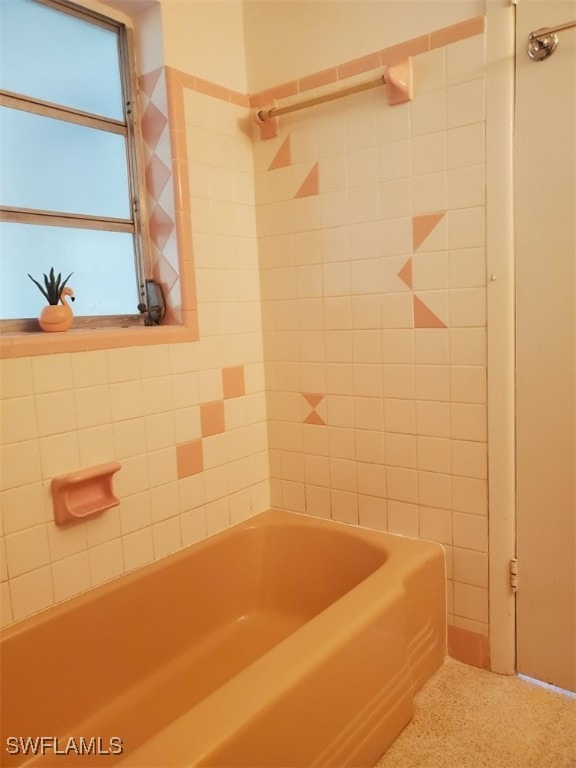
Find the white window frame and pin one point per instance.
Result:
(130, 129)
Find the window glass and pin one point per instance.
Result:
(59, 58)
(102, 263)
(54, 165)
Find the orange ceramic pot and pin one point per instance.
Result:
(55, 318)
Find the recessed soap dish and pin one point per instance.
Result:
(84, 493)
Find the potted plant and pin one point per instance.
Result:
(57, 316)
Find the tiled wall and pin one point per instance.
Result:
(186, 421)
(368, 308)
(372, 231)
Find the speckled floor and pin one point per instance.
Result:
(468, 718)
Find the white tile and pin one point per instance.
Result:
(465, 104)
(429, 153)
(466, 146)
(428, 113)
(465, 60)
(466, 187)
(31, 592)
(394, 160)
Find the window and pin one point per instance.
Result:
(68, 179)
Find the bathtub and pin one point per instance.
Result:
(286, 640)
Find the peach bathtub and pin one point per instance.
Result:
(286, 640)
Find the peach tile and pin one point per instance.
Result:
(309, 186)
(469, 647)
(424, 317)
(317, 79)
(212, 418)
(357, 66)
(6, 348)
(455, 32)
(212, 89)
(405, 274)
(157, 175)
(239, 99)
(153, 123)
(256, 99)
(314, 418)
(413, 47)
(233, 382)
(147, 82)
(282, 158)
(423, 225)
(178, 145)
(281, 91)
(161, 226)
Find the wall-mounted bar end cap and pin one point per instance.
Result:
(84, 493)
(398, 78)
(269, 126)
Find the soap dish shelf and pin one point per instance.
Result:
(85, 493)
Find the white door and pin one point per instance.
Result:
(545, 223)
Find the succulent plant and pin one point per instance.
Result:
(53, 286)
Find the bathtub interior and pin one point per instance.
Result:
(135, 654)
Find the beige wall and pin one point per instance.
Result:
(286, 40)
(206, 38)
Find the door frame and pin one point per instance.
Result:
(500, 81)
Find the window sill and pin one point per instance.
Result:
(26, 344)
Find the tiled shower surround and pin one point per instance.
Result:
(338, 272)
(371, 228)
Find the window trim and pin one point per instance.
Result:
(130, 129)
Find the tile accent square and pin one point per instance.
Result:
(233, 384)
(212, 418)
(189, 458)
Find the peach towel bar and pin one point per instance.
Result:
(84, 493)
(397, 77)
